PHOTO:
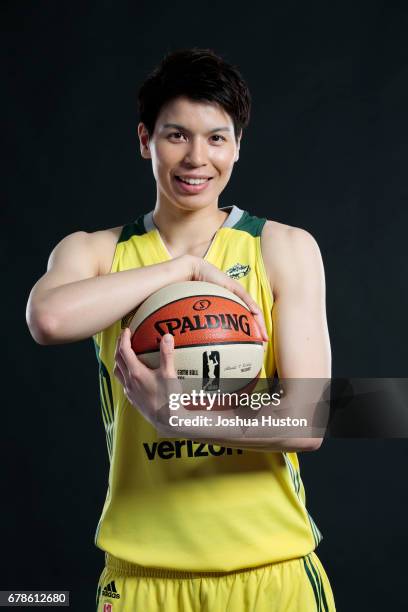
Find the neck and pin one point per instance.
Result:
(187, 231)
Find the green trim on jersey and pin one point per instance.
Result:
(251, 224)
(316, 582)
(136, 228)
(296, 480)
(106, 397)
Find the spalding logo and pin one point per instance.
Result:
(199, 322)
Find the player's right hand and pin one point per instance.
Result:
(203, 271)
(147, 389)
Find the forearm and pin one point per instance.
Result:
(278, 445)
(269, 445)
(292, 422)
(78, 310)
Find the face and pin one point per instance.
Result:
(191, 140)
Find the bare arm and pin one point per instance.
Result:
(301, 336)
(73, 300)
(77, 297)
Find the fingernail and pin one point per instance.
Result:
(167, 338)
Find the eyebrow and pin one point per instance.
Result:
(181, 127)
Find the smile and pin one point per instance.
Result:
(192, 181)
(189, 185)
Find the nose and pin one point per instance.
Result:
(197, 152)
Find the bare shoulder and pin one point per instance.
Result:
(277, 236)
(288, 251)
(91, 251)
(103, 243)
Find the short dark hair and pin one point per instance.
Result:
(198, 74)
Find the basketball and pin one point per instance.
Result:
(215, 334)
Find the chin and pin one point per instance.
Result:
(191, 203)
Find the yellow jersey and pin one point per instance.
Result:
(200, 507)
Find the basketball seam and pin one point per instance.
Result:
(206, 344)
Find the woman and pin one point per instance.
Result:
(184, 529)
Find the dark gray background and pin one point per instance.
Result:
(326, 150)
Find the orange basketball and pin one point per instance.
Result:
(215, 334)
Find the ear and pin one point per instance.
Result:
(238, 146)
(144, 141)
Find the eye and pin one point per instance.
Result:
(218, 136)
(175, 134)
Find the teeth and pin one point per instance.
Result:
(191, 181)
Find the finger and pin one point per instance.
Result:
(117, 355)
(238, 289)
(135, 367)
(121, 364)
(121, 371)
(167, 356)
(253, 307)
(117, 371)
(262, 326)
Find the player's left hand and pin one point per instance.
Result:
(147, 389)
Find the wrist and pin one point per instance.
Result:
(189, 265)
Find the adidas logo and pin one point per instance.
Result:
(238, 271)
(110, 591)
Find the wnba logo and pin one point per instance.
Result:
(211, 370)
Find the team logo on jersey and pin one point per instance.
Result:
(238, 271)
(107, 607)
(110, 591)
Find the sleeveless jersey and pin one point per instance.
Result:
(186, 505)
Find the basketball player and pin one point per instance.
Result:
(191, 526)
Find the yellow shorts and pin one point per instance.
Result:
(298, 585)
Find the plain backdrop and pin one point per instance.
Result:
(326, 150)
